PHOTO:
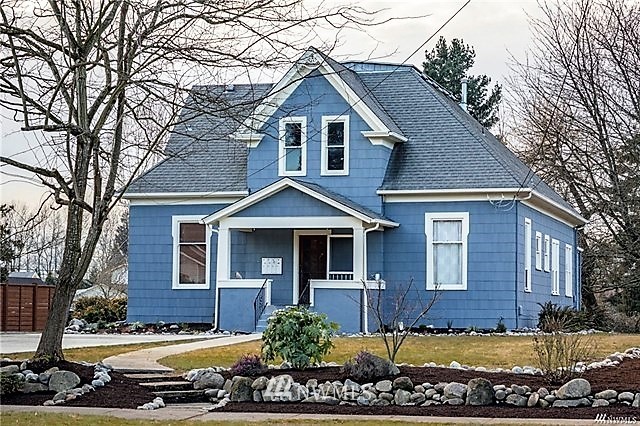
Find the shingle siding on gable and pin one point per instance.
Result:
(151, 297)
(314, 98)
(491, 271)
(280, 205)
(541, 280)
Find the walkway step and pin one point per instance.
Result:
(181, 395)
(153, 376)
(176, 385)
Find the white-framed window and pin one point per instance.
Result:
(447, 235)
(538, 251)
(335, 145)
(191, 253)
(292, 146)
(568, 270)
(547, 252)
(555, 267)
(527, 254)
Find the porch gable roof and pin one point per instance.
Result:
(330, 198)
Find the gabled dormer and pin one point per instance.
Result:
(321, 124)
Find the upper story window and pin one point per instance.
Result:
(335, 145)
(447, 235)
(191, 253)
(292, 152)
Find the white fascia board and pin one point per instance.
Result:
(297, 222)
(184, 198)
(384, 138)
(553, 209)
(281, 185)
(251, 139)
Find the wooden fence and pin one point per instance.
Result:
(24, 307)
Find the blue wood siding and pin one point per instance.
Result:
(341, 306)
(314, 98)
(541, 283)
(247, 251)
(289, 202)
(236, 309)
(151, 297)
(491, 269)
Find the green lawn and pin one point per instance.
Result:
(98, 353)
(46, 419)
(487, 351)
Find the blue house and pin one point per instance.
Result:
(337, 177)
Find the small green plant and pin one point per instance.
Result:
(10, 383)
(449, 324)
(248, 365)
(552, 316)
(558, 353)
(97, 308)
(136, 326)
(298, 336)
(500, 327)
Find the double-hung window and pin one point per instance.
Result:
(335, 145)
(292, 151)
(555, 267)
(190, 253)
(538, 251)
(547, 252)
(447, 235)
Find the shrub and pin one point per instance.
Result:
(100, 309)
(248, 365)
(366, 366)
(500, 327)
(10, 383)
(298, 336)
(551, 316)
(558, 352)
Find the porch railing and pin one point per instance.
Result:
(340, 276)
(260, 303)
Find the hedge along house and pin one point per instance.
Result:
(338, 176)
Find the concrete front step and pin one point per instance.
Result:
(176, 385)
(174, 396)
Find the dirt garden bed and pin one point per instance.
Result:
(123, 392)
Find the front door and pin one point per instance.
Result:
(313, 263)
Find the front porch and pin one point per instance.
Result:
(269, 256)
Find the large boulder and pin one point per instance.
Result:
(367, 367)
(209, 380)
(62, 380)
(402, 397)
(480, 392)
(241, 390)
(455, 390)
(403, 383)
(574, 389)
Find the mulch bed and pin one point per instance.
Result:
(123, 392)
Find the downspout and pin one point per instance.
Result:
(217, 301)
(365, 307)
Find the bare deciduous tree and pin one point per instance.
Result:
(577, 101)
(104, 80)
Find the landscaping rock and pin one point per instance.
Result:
(260, 383)
(402, 397)
(518, 390)
(600, 403)
(209, 380)
(329, 400)
(241, 390)
(569, 403)
(403, 383)
(366, 398)
(573, 389)
(429, 393)
(517, 400)
(533, 399)
(60, 396)
(418, 398)
(500, 395)
(33, 387)
(312, 383)
(625, 396)
(455, 390)
(606, 394)
(257, 396)
(373, 368)
(380, 403)
(636, 401)
(543, 392)
(480, 392)
(97, 383)
(9, 369)
(351, 387)
(454, 401)
(386, 396)
(384, 386)
(62, 380)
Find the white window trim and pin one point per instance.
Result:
(303, 146)
(538, 251)
(429, 218)
(527, 254)
(555, 267)
(175, 233)
(568, 270)
(547, 252)
(326, 120)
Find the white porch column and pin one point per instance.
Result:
(223, 263)
(358, 254)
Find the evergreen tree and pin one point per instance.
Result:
(447, 65)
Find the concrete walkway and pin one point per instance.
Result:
(147, 359)
(195, 412)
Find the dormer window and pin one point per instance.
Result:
(292, 152)
(335, 145)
